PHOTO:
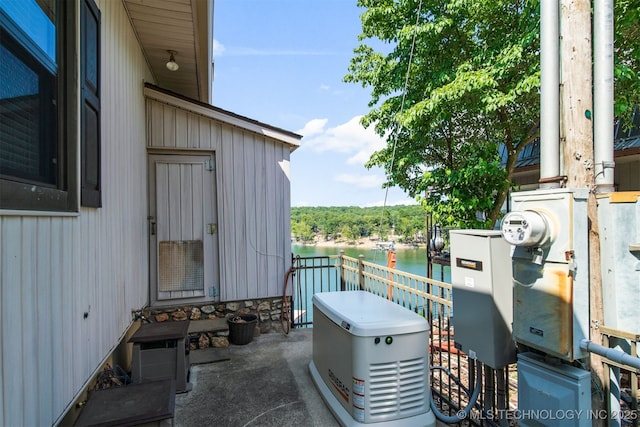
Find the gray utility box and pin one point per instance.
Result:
(160, 352)
(557, 395)
(482, 296)
(549, 233)
(619, 220)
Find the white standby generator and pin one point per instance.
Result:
(370, 360)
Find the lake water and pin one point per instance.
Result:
(412, 261)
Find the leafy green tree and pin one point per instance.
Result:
(405, 229)
(354, 222)
(302, 231)
(452, 82)
(351, 232)
(627, 58)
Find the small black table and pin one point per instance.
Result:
(160, 352)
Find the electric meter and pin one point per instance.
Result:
(525, 228)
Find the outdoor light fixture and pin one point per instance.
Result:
(172, 65)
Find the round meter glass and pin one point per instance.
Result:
(525, 228)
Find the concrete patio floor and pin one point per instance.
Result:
(264, 383)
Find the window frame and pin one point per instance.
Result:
(22, 195)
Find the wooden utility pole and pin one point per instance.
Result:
(577, 135)
(576, 92)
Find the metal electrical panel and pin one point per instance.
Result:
(550, 263)
(619, 221)
(482, 296)
(557, 395)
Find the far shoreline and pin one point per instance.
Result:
(360, 244)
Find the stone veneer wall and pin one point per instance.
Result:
(268, 311)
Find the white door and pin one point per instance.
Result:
(183, 229)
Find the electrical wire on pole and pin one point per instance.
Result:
(402, 103)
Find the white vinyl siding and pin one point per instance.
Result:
(253, 190)
(54, 269)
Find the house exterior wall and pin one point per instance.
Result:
(253, 192)
(68, 282)
(626, 176)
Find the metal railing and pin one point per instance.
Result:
(453, 375)
(312, 275)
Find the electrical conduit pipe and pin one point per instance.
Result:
(613, 354)
(462, 413)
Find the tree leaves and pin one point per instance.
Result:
(353, 223)
(472, 86)
(627, 59)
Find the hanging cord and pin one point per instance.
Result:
(462, 413)
(404, 97)
(285, 311)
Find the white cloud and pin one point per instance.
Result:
(360, 181)
(218, 48)
(349, 137)
(324, 87)
(360, 158)
(313, 127)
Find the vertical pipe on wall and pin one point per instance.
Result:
(603, 119)
(549, 92)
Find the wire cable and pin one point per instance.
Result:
(462, 413)
(286, 314)
(402, 102)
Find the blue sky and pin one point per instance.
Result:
(282, 62)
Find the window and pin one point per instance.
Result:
(38, 141)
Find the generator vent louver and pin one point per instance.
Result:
(397, 388)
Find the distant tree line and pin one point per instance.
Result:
(405, 223)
